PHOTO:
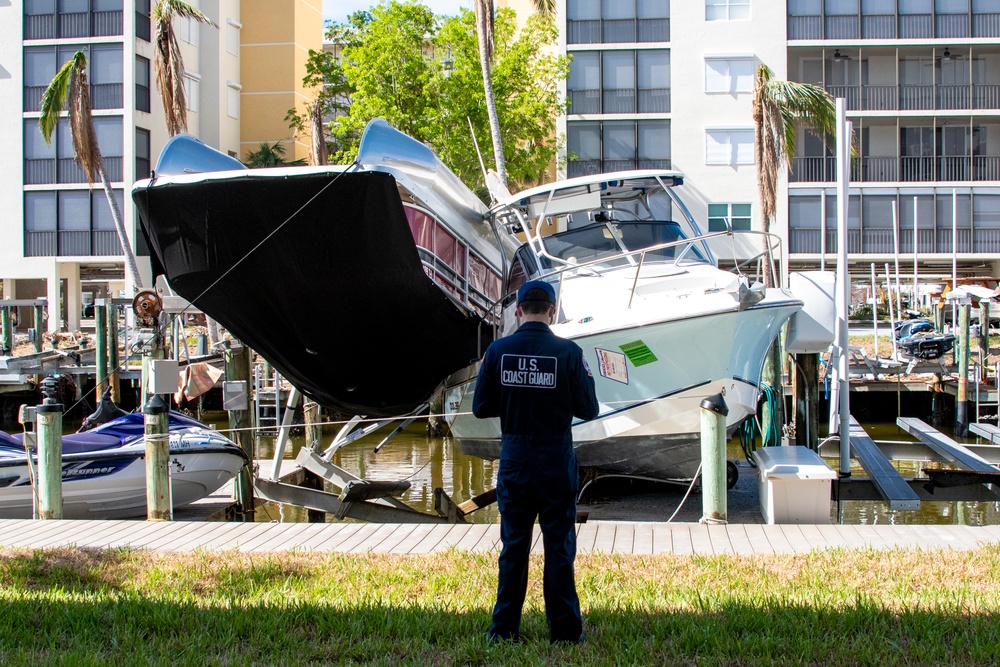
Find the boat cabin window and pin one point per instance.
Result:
(610, 240)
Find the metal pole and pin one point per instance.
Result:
(48, 422)
(916, 290)
(713, 459)
(961, 401)
(101, 343)
(892, 314)
(159, 505)
(895, 243)
(843, 285)
(822, 238)
(875, 310)
(954, 252)
(286, 424)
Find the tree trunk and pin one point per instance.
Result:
(491, 106)
(120, 228)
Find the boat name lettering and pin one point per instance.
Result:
(518, 370)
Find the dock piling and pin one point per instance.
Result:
(713, 459)
(8, 330)
(101, 345)
(48, 421)
(159, 504)
(39, 322)
(962, 351)
(237, 367)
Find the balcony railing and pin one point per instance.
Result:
(77, 24)
(887, 169)
(619, 101)
(104, 243)
(852, 94)
(590, 167)
(66, 170)
(654, 100)
(880, 241)
(40, 244)
(33, 97)
(614, 31)
(106, 95)
(888, 26)
(918, 97)
(913, 97)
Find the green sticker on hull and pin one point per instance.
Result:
(638, 353)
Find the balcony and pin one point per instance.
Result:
(911, 97)
(77, 243)
(617, 31)
(595, 101)
(889, 26)
(66, 170)
(888, 169)
(590, 167)
(78, 24)
(879, 241)
(106, 95)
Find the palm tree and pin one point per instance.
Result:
(70, 86)
(317, 145)
(484, 32)
(270, 155)
(168, 61)
(778, 107)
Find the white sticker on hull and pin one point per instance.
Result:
(612, 365)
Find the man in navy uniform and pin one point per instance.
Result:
(536, 382)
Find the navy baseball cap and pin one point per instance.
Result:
(536, 290)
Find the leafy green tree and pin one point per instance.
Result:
(270, 155)
(393, 67)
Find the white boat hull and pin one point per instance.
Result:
(649, 424)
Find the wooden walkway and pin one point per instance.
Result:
(593, 537)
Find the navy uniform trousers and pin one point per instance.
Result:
(536, 383)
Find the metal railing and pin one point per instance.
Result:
(615, 31)
(585, 101)
(879, 241)
(654, 100)
(105, 243)
(80, 243)
(76, 24)
(886, 169)
(66, 170)
(890, 26)
(620, 100)
(40, 244)
(106, 95)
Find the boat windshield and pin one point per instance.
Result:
(609, 240)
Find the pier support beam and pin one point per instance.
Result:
(713, 459)
(8, 330)
(39, 323)
(101, 345)
(113, 358)
(48, 421)
(962, 352)
(159, 504)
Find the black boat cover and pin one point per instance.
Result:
(337, 299)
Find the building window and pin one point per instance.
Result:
(106, 76)
(233, 36)
(727, 10)
(729, 146)
(142, 22)
(142, 153)
(188, 29)
(737, 215)
(633, 81)
(142, 96)
(617, 21)
(729, 75)
(192, 86)
(68, 19)
(56, 162)
(70, 223)
(595, 147)
(233, 99)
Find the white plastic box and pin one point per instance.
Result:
(794, 485)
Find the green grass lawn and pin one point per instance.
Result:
(70, 607)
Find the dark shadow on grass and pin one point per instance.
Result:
(38, 629)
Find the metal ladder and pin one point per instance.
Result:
(267, 400)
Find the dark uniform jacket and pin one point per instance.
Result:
(536, 382)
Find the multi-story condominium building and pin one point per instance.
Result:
(657, 83)
(60, 239)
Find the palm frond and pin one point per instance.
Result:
(168, 62)
(545, 7)
(81, 126)
(168, 9)
(54, 97)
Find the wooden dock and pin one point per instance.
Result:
(626, 538)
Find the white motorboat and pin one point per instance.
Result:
(104, 470)
(661, 325)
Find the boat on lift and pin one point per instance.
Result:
(661, 325)
(364, 285)
(104, 469)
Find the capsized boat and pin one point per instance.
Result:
(364, 285)
(104, 469)
(661, 325)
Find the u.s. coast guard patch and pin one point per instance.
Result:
(520, 370)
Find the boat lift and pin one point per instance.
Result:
(367, 500)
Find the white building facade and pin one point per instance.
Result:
(59, 237)
(658, 83)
